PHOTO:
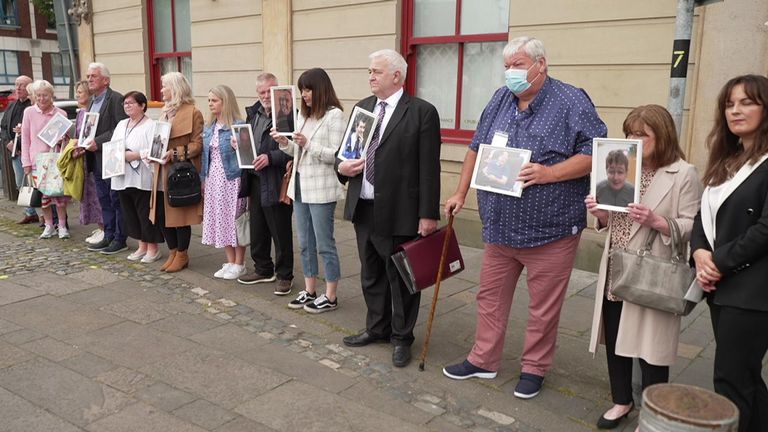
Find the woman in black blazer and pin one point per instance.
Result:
(729, 243)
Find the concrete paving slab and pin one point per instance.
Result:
(242, 424)
(56, 317)
(12, 293)
(229, 338)
(10, 355)
(99, 296)
(7, 327)
(53, 284)
(52, 349)
(88, 365)
(138, 310)
(204, 414)
(140, 417)
(365, 393)
(21, 336)
(184, 325)
(278, 408)
(95, 276)
(126, 344)
(215, 376)
(126, 380)
(62, 391)
(21, 416)
(162, 396)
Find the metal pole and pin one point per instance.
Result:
(71, 52)
(679, 67)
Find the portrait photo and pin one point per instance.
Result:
(358, 135)
(246, 147)
(113, 159)
(497, 168)
(283, 109)
(616, 170)
(88, 131)
(160, 138)
(55, 129)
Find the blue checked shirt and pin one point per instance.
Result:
(559, 123)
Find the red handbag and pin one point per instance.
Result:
(418, 260)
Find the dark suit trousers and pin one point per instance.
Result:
(742, 341)
(268, 224)
(619, 367)
(392, 310)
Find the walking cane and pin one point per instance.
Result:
(443, 254)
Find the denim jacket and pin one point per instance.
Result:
(228, 155)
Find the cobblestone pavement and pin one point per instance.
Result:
(98, 343)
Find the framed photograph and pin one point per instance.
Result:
(283, 109)
(616, 170)
(15, 144)
(55, 129)
(113, 158)
(358, 135)
(246, 146)
(160, 137)
(88, 131)
(497, 168)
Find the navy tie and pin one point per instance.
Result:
(371, 152)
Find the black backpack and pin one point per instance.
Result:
(183, 187)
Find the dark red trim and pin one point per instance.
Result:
(490, 37)
(154, 84)
(172, 54)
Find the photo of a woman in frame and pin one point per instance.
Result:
(245, 147)
(285, 118)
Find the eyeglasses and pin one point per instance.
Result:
(130, 103)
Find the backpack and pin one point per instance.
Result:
(183, 187)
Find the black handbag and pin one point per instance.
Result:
(651, 281)
(183, 185)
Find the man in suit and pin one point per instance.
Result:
(393, 195)
(109, 104)
(10, 125)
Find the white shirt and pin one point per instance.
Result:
(137, 138)
(366, 192)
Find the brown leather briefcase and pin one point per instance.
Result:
(418, 260)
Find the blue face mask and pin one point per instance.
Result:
(517, 79)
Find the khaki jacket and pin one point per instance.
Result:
(186, 130)
(652, 335)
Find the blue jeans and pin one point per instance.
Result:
(18, 171)
(111, 212)
(314, 227)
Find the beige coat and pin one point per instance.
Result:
(186, 130)
(652, 335)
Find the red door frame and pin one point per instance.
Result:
(409, 48)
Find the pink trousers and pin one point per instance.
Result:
(549, 270)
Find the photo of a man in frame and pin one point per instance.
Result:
(615, 190)
(353, 146)
(245, 147)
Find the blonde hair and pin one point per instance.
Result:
(42, 85)
(230, 111)
(181, 92)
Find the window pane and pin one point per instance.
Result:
(436, 79)
(183, 25)
(168, 64)
(186, 68)
(161, 14)
(11, 63)
(483, 74)
(484, 16)
(434, 17)
(4, 58)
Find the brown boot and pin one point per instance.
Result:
(180, 262)
(169, 261)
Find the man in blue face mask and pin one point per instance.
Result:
(540, 230)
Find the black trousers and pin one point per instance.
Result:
(392, 309)
(135, 206)
(620, 368)
(271, 224)
(741, 338)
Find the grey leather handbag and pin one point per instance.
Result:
(651, 281)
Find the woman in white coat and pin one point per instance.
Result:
(314, 186)
(669, 187)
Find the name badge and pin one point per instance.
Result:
(500, 139)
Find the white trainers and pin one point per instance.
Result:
(48, 232)
(220, 273)
(96, 237)
(233, 272)
(63, 233)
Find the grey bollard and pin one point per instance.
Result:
(685, 408)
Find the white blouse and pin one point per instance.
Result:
(137, 138)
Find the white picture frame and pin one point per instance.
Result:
(353, 146)
(245, 146)
(56, 128)
(159, 145)
(496, 169)
(88, 131)
(612, 189)
(283, 109)
(113, 158)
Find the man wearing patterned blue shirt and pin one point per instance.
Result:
(539, 231)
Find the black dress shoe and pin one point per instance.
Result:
(363, 339)
(604, 423)
(100, 245)
(401, 355)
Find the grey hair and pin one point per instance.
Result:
(531, 46)
(42, 85)
(101, 67)
(393, 58)
(266, 77)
